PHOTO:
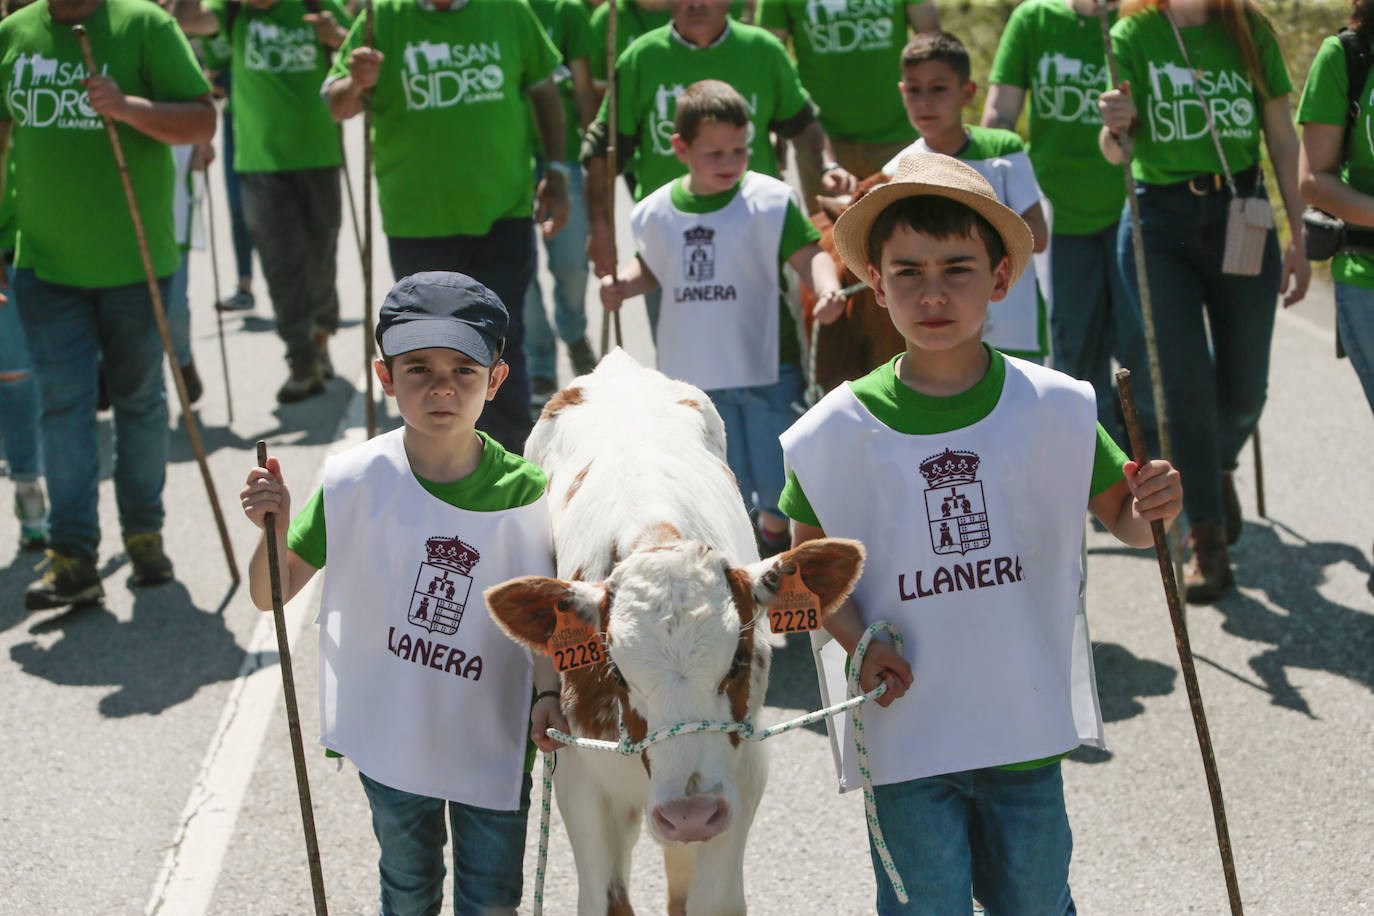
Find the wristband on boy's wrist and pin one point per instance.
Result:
(547, 693)
(829, 167)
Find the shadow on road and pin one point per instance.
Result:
(166, 652)
(792, 682)
(1123, 678)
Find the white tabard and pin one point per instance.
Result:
(719, 275)
(418, 686)
(974, 544)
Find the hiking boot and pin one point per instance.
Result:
(1208, 575)
(1230, 507)
(151, 566)
(322, 360)
(32, 511)
(241, 301)
(67, 580)
(581, 355)
(194, 387)
(299, 387)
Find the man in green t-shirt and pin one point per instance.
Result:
(846, 54)
(287, 156)
(452, 83)
(79, 280)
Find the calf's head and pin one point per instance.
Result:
(679, 625)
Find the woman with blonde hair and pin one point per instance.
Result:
(1201, 82)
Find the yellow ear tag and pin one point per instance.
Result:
(574, 643)
(796, 609)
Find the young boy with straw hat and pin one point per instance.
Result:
(1000, 458)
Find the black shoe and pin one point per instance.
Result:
(241, 301)
(67, 580)
(151, 566)
(771, 545)
(541, 389)
(194, 387)
(581, 355)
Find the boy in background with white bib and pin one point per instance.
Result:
(967, 474)
(714, 241)
(418, 687)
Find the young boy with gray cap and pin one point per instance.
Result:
(1003, 457)
(418, 687)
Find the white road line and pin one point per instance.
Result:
(190, 871)
(1311, 328)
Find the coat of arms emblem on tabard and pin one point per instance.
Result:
(443, 585)
(955, 510)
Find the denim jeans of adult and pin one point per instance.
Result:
(243, 243)
(294, 218)
(179, 311)
(503, 260)
(1213, 394)
(567, 256)
(999, 835)
(1355, 321)
(69, 331)
(488, 852)
(1090, 301)
(18, 395)
(754, 419)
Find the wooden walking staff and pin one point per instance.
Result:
(219, 316)
(369, 343)
(1185, 651)
(192, 429)
(288, 689)
(612, 154)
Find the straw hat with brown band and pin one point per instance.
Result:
(940, 176)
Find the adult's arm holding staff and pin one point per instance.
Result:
(173, 123)
(552, 190)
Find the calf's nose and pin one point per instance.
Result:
(691, 820)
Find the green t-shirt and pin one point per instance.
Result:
(500, 481)
(450, 92)
(797, 233)
(74, 222)
(849, 55)
(216, 53)
(1324, 101)
(659, 65)
(1056, 55)
(1172, 143)
(570, 29)
(280, 121)
(911, 413)
(631, 21)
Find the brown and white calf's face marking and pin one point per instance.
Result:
(679, 625)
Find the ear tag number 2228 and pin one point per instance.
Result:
(574, 643)
(796, 608)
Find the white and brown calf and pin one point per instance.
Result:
(656, 551)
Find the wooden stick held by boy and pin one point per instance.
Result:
(1185, 653)
(159, 312)
(293, 719)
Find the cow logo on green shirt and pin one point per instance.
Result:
(1176, 112)
(840, 26)
(47, 92)
(273, 48)
(441, 75)
(1067, 88)
(664, 111)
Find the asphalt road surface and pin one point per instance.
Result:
(148, 770)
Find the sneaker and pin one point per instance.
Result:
(322, 361)
(67, 580)
(32, 511)
(770, 545)
(581, 355)
(241, 301)
(194, 387)
(151, 566)
(299, 387)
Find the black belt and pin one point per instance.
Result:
(1201, 185)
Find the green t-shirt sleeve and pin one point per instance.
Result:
(797, 232)
(306, 538)
(578, 38)
(598, 61)
(792, 96)
(1010, 67)
(1325, 96)
(1108, 460)
(1276, 77)
(543, 57)
(773, 14)
(794, 504)
(177, 76)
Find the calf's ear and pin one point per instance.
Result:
(829, 568)
(526, 608)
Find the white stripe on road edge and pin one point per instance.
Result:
(191, 868)
(1308, 326)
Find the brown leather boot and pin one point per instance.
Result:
(1230, 507)
(1208, 575)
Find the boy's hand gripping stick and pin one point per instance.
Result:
(288, 687)
(1185, 651)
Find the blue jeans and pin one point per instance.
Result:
(1355, 321)
(69, 331)
(18, 396)
(243, 243)
(754, 419)
(179, 312)
(999, 835)
(1090, 302)
(1213, 394)
(488, 852)
(503, 260)
(568, 264)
